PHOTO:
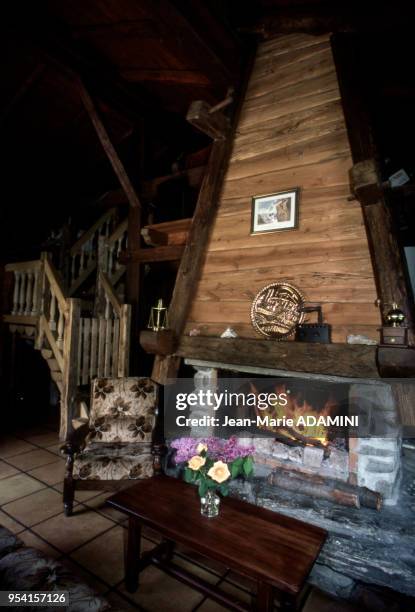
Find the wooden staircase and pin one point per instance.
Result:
(77, 345)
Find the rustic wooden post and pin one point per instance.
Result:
(134, 217)
(218, 126)
(124, 341)
(365, 178)
(70, 355)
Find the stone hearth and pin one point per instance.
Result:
(365, 546)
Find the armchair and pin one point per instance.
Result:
(115, 446)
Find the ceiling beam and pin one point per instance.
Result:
(54, 39)
(108, 147)
(322, 17)
(192, 36)
(24, 88)
(184, 77)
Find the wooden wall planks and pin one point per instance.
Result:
(291, 133)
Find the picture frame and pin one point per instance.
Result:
(275, 212)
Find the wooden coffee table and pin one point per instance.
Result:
(275, 551)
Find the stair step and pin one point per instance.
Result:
(46, 353)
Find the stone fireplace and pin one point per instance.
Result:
(371, 462)
(326, 487)
(347, 470)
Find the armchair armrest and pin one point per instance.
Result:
(75, 439)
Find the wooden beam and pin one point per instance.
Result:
(223, 67)
(68, 399)
(200, 229)
(183, 77)
(24, 88)
(158, 343)
(396, 362)
(108, 147)
(216, 125)
(54, 38)
(153, 254)
(194, 177)
(133, 283)
(319, 18)
(347, 360)
(387, 259)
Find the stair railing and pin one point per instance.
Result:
(26, 294)
(110, 249)
(104, 339)
(83, 254)
(53, 310)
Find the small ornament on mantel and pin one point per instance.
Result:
(229, 333)
(394, 332)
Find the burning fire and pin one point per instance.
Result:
(298, 407)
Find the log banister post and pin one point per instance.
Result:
(70, 355)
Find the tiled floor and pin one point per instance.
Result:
(91, 541)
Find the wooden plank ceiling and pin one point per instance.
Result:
(143, 62)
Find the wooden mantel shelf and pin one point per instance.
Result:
(346, 360)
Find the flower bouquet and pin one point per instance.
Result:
(212, 463)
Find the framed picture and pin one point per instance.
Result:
(275, 212)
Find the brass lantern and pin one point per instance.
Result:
(394, 331)
(158, 317)
(395, 317)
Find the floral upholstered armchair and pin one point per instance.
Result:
(116, 445)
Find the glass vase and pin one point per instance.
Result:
(209, 504)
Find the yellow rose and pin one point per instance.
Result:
(219, 471)
(201, 447)
(196, 462)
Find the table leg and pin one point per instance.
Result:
(288, 603)
(265, 597)
(132, 555)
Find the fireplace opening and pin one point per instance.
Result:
(311, 402)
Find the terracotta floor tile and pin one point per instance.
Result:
(9, 523)
(67, 533)
(7, 470)
(92, 581)
(241, 581)
(196, 570)
(56, 449)
(211, 606)
(32, 459)
(119, 603)
(33, 541)
(214, 566)
(51, 474)
(80, 496)
(157, 591)
(17, 486)
(11, 446)
(104, 556)
(237, 593)
(98, 503)
(44, 439)
(36, 507)
(28, 432)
